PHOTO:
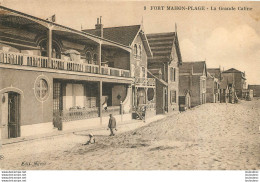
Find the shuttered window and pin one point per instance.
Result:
(173, 96)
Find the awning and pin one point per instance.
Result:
(19, 19)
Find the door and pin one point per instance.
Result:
(13, 115)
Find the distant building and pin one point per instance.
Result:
(256, 90)
(165, 66)
(193, 78)
(213, 90)
(236, 78)
(184, 100)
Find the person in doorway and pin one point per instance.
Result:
(112, 125)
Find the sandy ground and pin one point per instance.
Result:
(210, 136)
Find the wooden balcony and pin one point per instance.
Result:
(19, 59)
(144, 82)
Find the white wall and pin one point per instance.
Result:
(74, 95)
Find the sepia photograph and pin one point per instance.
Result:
(129, 85)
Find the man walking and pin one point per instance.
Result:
(112, 124)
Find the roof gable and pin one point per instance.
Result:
(162, 45)
(194, 67)
(232, 70)
(124, 35)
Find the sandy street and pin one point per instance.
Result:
(211, 136)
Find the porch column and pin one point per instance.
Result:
(146, 95)
(131, 97)
(49, 45)
(100, 101)
(99, 56)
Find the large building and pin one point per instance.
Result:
(193, 77)
(50, 71)
(143, 88)
(236, 78)
(165, 66)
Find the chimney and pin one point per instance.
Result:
(99, 27)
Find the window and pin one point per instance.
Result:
(174, 74)
(173, 96)
(41, 89)
(57, 97)
(140, 51)
(88, 58)
(56, 53)
(135, 50)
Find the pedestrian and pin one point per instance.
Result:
(112, 124)
(91, 140)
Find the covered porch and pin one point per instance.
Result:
(75, 100)
(30, 42)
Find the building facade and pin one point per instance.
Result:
(256, 90)
(212, 84)
(236, 78)
(193, 77)
(143, 88)
(50, 71)
(164, 65)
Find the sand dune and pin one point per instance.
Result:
(210, 136)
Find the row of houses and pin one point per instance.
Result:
(50, 71)
(199, 84)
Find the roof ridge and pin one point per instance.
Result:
(161, 33)
(115, 27)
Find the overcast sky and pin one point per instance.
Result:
(222, 38)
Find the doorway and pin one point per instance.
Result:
(13, 115)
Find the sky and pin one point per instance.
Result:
(226, 39)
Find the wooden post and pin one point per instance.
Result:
(49, 45)
(121, 110)
(100, 102)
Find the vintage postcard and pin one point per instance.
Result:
(129, 85)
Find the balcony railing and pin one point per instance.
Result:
(58, 64)
(145, 81)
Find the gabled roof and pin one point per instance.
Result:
(232, 70)
(216, 72)
(193, 67)
(124, 35)
(162, 45)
